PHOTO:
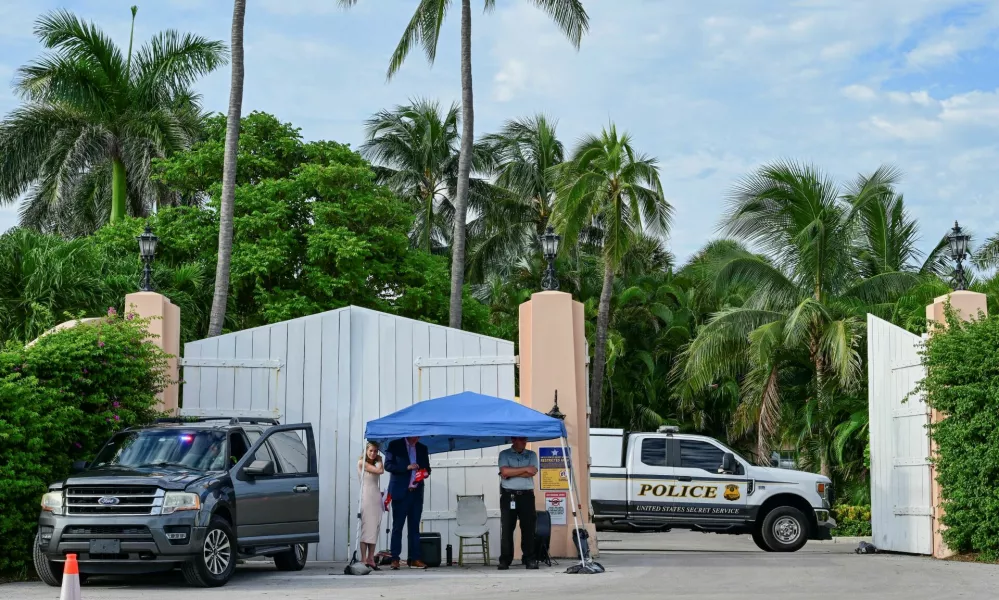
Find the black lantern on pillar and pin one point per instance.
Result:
(549, 248)
(555, 413)
(957, 240)
(147, 251)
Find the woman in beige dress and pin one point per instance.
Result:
(370, 469)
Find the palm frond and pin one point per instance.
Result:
(174, 61)
(569, 15)
(82, 41)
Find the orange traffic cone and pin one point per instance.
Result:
(70, 579)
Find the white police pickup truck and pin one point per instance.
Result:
(667, 480)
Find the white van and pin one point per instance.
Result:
(668, 480)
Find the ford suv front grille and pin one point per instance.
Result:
(112, 500)
(121, 532)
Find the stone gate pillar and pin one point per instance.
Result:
(164, 326)
(553, 357)
(967, 305)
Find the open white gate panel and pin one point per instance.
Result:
(901, 478)
(341, 369)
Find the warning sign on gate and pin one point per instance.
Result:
(555, 504)
(554, 470)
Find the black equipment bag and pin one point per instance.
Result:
(543, 537)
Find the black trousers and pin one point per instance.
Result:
(523, 510)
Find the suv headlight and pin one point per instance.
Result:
(174, 501)
(53, 502)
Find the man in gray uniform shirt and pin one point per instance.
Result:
(517, 466)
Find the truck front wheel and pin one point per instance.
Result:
(760, 542)
(785, 529)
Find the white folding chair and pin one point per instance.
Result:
(472, 530)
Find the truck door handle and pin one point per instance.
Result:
(684, 478)
(301, 489)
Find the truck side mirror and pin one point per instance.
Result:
(259, 468)
(79, 466)
(728, 463)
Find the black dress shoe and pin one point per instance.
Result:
(533, 565)
(503, 567)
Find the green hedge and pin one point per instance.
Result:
(59, 401)
(962, 381)
(852, 521)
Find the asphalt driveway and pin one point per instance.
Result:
(672, 565)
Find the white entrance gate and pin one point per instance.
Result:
(340, 369)
(901, 478)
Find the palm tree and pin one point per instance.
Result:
(523, 155)
(45, 280)
(93, 119)
(889, 235)
(806, 311)
(610, 183)
(221, 296)
(415, 150)
(425, 29)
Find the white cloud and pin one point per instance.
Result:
(946, 44)
(976, 108)
(932, 53)
(859, 92)
(910, 130)
(921, 98)
(510, 80)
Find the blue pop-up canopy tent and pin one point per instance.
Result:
(465, 421)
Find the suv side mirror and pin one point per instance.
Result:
(79, 466)
(259, 468)
(728, 463)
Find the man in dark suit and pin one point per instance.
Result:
(408, 461)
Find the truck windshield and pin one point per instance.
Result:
(162, 448)
(734, 453)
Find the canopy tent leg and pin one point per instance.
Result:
(572, 498)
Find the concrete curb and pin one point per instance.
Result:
(846, 540)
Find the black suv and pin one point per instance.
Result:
(198, 494)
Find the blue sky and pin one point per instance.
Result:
(712, 88)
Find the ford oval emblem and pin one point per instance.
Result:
(108, 501)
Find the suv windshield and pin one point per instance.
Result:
(158, 448)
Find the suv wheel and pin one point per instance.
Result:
(760, 542)
(48, 571)
(214, 565)
(292, 560)
(785, 529)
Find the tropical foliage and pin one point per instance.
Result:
(967, 391)
(313, 231)
(94, 118)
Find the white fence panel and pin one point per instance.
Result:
(901, 490)
(340, 369)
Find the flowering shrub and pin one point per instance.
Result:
(60, 400)
(852, 521)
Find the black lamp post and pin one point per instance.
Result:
(147, 251)
(555, 413)
(958, 242)
(549, 247)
